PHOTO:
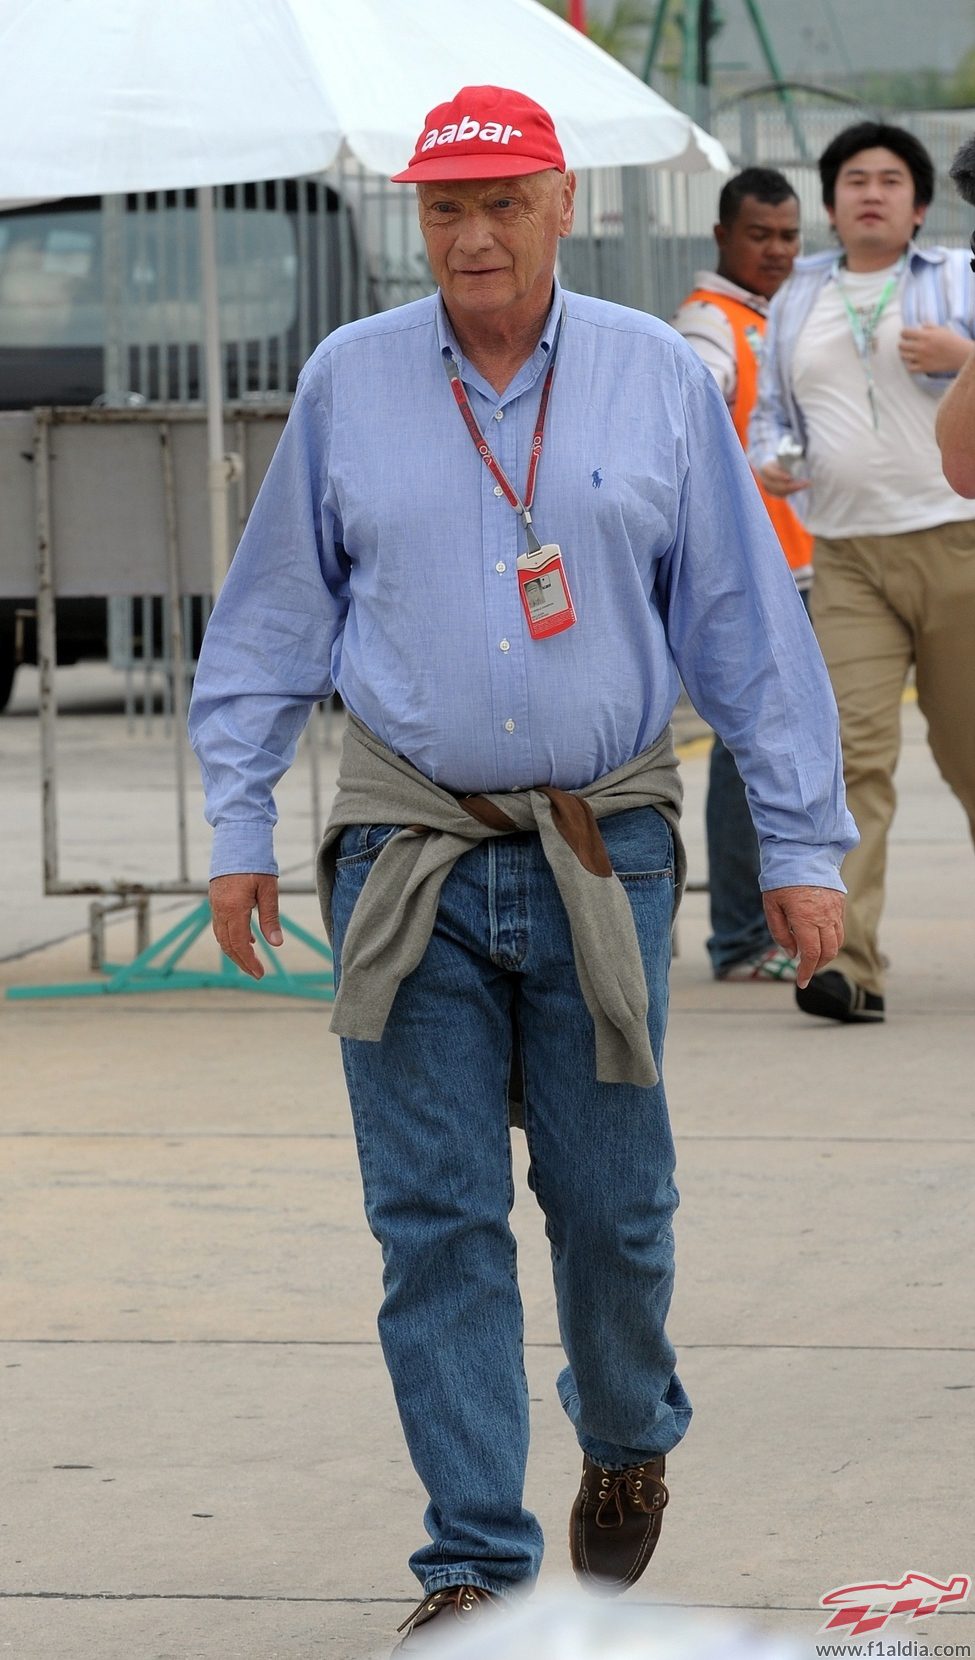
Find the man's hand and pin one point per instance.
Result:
(955, 431)
(933, 350)
(778, 480)
(232, 899)
(808, 923)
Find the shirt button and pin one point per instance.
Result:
(499, 414)
(505, 645)
(498, 490)
(509, 725)
(500, 566)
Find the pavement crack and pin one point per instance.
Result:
(373, 1343)
(188, 1596)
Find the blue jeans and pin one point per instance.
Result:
(738, 925)
(429, 1102)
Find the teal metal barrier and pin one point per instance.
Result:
(157, 969)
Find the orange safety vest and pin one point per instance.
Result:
(796, 542)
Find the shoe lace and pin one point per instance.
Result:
(467, 1600)
(645, 1492)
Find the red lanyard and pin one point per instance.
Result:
(484, 449)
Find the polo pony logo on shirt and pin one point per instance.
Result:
(597, 478)
(459, 132)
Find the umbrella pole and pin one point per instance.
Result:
(220, 468)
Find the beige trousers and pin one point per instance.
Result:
(879, 604)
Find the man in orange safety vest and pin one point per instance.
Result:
(724, 319)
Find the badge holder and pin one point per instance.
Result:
(544, 590)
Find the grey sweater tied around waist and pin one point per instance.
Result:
(394, 915)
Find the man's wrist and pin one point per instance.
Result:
(243, 846)
(799, 866)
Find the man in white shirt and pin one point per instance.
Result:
(860, 347)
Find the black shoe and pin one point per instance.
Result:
(836, 997)
(615, 1523)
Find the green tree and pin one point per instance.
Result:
(962, 86)
(916, 89)
(921, 88)
(623, 32)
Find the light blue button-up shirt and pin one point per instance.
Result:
(380, 559)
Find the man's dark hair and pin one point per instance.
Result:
(962, 171)
(764, 183)
(873, 135)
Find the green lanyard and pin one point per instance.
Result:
(865, 329)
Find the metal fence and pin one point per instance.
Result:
(94, 473)
(108, 296)
(101, 301)
(762, 134)
(662, 238)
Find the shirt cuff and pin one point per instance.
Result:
(243, 846)
(801, 865)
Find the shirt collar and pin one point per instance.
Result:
(447, 339)
(916, 257)
(715, 284)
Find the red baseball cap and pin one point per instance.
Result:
(485, 132)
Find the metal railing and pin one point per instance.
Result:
(71, 451)
(299, 257)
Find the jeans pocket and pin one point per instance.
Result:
(361, 844)
(640, 847)
(635, 880)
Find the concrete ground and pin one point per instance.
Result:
(187, 1308)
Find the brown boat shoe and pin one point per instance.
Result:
(615, 1523)
(463, 1602)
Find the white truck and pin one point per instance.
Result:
(100, 305)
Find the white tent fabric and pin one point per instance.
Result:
(102, 97)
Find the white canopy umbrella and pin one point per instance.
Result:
(102, 97)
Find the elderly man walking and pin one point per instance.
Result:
(501, 521)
